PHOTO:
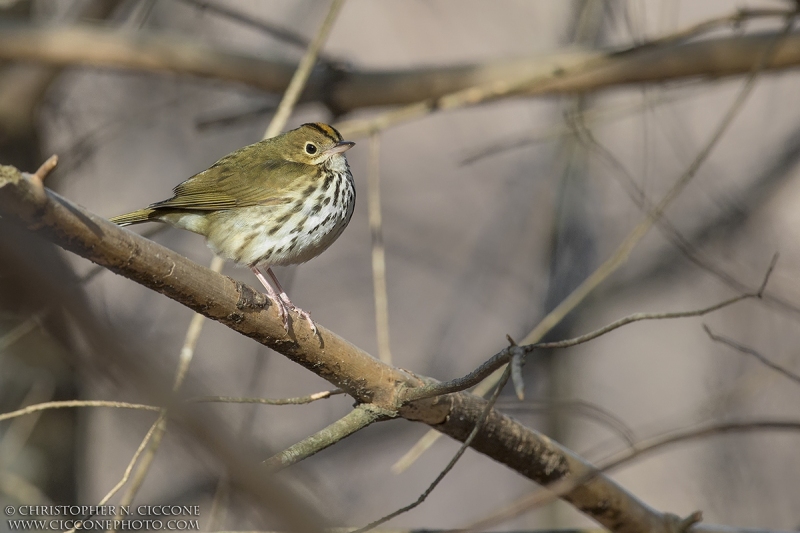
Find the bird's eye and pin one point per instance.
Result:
(311, 149)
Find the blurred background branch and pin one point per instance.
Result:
(343, 91)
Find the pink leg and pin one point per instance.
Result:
(283, 313)
(285, 297)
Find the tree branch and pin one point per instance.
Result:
(343, 91)
(750, 351)
(246, 311)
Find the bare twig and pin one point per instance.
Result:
(378, 251)
(750, 351)
(416, 451)
(515, 364)
(357, 419)
(300, 77)
(45, 169)
(503, 356)
(734, 20)
(21, 329)
(126, 475)
(75, 403)
(300, 400)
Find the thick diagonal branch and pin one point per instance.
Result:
(26, 202)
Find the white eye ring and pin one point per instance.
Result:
(311, 148)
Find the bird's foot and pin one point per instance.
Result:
(283, 312)
(289, 305)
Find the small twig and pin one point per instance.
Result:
(638, 317)
(192, 336)
(126, 475)
(378, 251)
(300, 77)
(357, 419)
(503, 356)
(75, 403)
(770, 268)
(694, 518)
(734, 20)
(300, 400)
(516, 369)
(750, 351)
(21, 329)
(474, 433)
(416, 451)
(41, 173)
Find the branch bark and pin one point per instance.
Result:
(26, 202)
(345, 90)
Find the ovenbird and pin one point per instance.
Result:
(280, 201)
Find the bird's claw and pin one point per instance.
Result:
(305, 314)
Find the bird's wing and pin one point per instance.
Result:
(237, 180)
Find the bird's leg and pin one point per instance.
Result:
(283, 313)
(289, 304)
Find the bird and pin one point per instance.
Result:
(280, 201)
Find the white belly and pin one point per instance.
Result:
(294, 235)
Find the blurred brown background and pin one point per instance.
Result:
(474, 250)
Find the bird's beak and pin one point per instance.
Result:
(340, 147)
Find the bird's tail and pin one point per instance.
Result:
(134, 217)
